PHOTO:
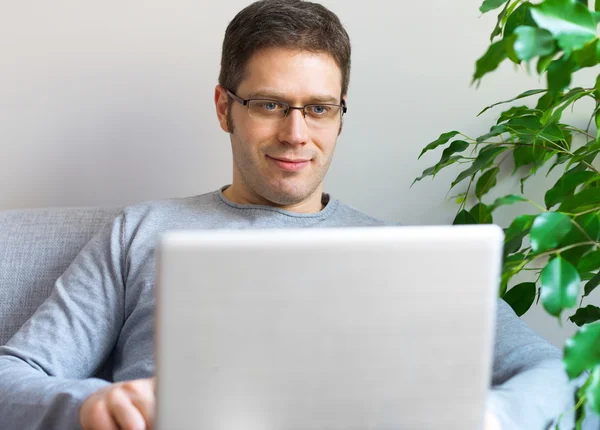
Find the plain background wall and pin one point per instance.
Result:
(111, 103)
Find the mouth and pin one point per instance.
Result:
(289, 164)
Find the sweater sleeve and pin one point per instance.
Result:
(46, 367)
(530, 388)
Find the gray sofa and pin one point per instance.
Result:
(36, 246)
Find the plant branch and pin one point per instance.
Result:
(584, 212)
(563, 249)
(573, 128)
(581, 230)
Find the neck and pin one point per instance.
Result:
(241, 196)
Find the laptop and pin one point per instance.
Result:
(326, 329)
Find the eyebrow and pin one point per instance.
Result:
(275, 95)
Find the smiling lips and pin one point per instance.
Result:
(289, 164)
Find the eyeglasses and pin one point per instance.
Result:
(316, 115)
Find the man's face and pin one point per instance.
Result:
(262, 147)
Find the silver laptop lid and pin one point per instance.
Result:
(362, 328)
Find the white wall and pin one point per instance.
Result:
(110, 103)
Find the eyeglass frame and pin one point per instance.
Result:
(246, 102)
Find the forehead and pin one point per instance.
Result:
(297, 74)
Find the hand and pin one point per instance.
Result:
(491, 422)
(120, 406)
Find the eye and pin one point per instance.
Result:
(269, 106)
(319, 110)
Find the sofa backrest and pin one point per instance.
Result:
(36, 247)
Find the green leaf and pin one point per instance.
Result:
(559, 73)
(444, 138)
(591, 285)
(586, 315)
(519, 228)
(565, 187)
(533, 156)
(582, 201)
(547, 100)
(571, 23)
(495, 130)
(482, 214)
(486, 182)
(501, 18)
(560, 286)
(560, 159)
(520, 96)
(511, 266)
(521, 297)
(460, 198)
(491, 5)
(528, 125)
(520, 16)
(456, 146)
(485, 157)
(548, 230)
(433, 170)
(507, 200)
(513, 261)
(586, 153)
(464, 217)
(582, 351)
(518, 112)
(552, 133)
(586, 276)
(533, 42)
(593, 391)
(589, 262)
(492, 58)
(588, 55)
(551, 116)
(590, 224)
(530, 154)
(544, 61)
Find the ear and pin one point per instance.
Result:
(221, 103)
(344, 102)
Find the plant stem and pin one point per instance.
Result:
(581, 230)
(573, 128)
(584, 212)
(563, 249)
(464, 202)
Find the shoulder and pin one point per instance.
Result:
(144, 220)
(162, 207)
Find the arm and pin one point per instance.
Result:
(45, 368)
(530, 388)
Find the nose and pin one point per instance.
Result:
(293, 129)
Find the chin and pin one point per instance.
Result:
(287, 196)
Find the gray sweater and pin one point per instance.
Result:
(101, 311)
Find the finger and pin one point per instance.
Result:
(145, 401)
(123, 411)
(99, 418)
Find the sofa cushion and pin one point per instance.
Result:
(36, 247)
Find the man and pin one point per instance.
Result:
(281, 96)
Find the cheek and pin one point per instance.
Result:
(257, 135)
(326, 141)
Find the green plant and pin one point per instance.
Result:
(559, 241)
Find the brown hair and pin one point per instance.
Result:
(295, 24)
